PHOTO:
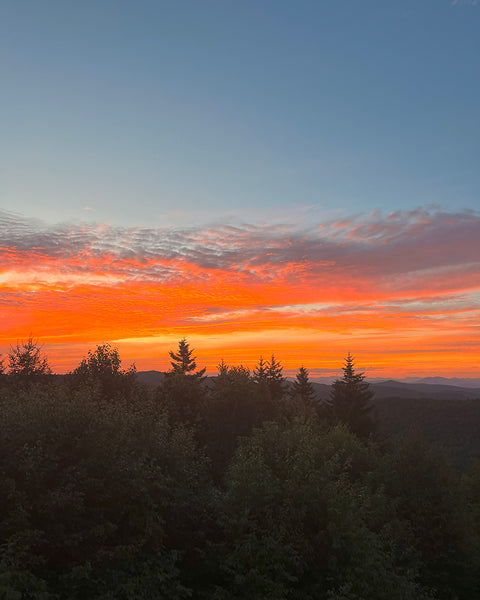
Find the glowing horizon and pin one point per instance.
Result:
(400, 292)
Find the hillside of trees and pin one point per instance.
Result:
(242, 486)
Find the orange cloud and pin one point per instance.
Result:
(401, 292)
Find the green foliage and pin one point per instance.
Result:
(452, 423)
(351, 401)
(309, 497)
(471, 488)
(471, 494)
(238, 402)
(114, 500)
(231, 410)
(96, 497)
(434, 513)
(150, 577)
(260, 568)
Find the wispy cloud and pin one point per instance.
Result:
(403, 274)
(460, 2)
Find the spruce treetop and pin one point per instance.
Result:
(302, 386)
(27, 364)
(260, 373)
(183, 362)
(351, 401)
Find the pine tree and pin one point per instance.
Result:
(302, 386)
(275, 380)
(266, 406)
(2, 372)
(260, 372)
(27, 365)
(351, 401)
(183, 363)
(182, 392)
(222, 369)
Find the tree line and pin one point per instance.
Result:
(239, 486)
(183, 393)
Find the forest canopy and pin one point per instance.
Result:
(245, 485)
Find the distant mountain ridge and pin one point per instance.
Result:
(464, 382)
(455, 381)
(390, 389)
(150, 377)
(442, 412)
(431, 387)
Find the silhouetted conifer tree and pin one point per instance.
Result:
(264, 401)
(182, 392)
(260, 372)
(302, 386)
(27, 365)
(275, 380)
(351, 401)
(183, 362)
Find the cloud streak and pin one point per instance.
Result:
(407, 275)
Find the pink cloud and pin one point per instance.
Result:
(373, 275)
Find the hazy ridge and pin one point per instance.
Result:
(429, 387)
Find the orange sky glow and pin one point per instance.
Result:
(401, 293)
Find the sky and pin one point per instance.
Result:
(298, 178)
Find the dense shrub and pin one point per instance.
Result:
(96, 498)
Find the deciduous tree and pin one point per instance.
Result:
(101, 372)
(231, 411)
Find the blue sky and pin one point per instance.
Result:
(185, 112)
